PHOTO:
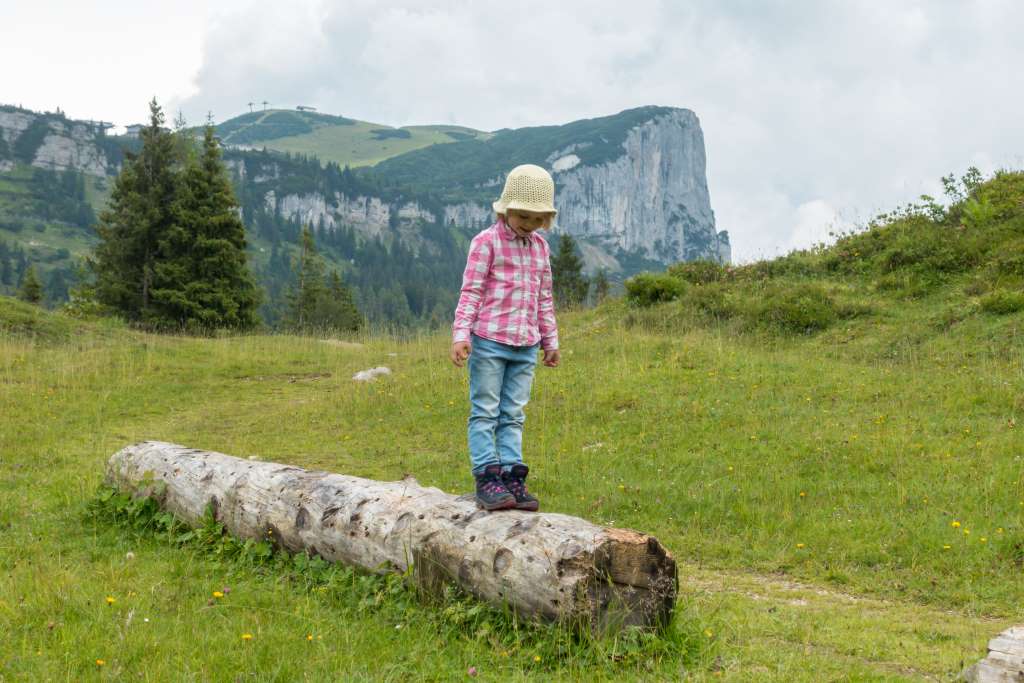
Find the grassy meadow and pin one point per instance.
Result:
(828, 443)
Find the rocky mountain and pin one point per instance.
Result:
(631, 189)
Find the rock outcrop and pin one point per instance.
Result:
(653, 199)
(54, 142)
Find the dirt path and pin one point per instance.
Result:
(778, 629)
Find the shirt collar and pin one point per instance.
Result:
(510, 234)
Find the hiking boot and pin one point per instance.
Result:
(515, 482)
(491, 493)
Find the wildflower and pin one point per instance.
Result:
(622, 487)
(471, 671)
(983, 539)
(246, 636)
(730, 468)
(967, 532)
(111, 600)
(803, 494)
(100, 662)
(708, 632)
(955, 524)
(946, 547)
(999, 530)
(309, 636)
(218, 594)
(129, 555)
(799, 545)
(536, 658)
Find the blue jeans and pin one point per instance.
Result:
(500, 377)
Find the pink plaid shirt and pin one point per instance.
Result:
(506, 290)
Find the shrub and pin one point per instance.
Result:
(1002, 302)
(647, 289)
(800, 309)
(698, 272)
(710, 301)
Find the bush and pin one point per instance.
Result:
(1002, 302)
(801, 309)
(698, 272)
(711, 301)
(647, 289)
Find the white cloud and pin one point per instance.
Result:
(854, 106)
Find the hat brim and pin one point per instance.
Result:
(501, 207)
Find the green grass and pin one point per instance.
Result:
(354, 144)
(705, 440)
(846, 500)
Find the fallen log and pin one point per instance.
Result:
(547, 565)
(1005, 660)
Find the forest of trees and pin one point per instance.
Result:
(189, 240)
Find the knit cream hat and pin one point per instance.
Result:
(529, 188)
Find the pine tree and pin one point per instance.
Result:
(338, 308)
(139, 215)
(601, 286)
(31, 288)
(309, 286)
(569, 284)
(202, 281)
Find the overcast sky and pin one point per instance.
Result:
(817, 114)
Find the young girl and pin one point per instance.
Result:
(505, 313)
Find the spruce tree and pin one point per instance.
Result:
(601, 286)
(31, 288)
(202, 281)
(338, 309)
(309, 287)
(138, 217)
(569, 284)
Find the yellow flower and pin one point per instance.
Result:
(309, 637)
(803, 494)
(218, 594)
(967, 532)
(983, 539)
(946, 547)
(999, 530)
(799, 545)
(536, 658)
(955, 524)
(100, 662)
(730, 468)
(708, 632)
(246, 636)
(111, 600)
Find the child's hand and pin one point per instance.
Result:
(460, 352)
(551, 357)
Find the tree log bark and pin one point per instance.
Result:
(541, 564)
(1005, 660)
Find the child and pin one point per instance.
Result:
(505, 313)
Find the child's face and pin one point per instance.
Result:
(525, 222)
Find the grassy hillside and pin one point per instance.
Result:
(835, 462)
(334, 138)
(45, 219)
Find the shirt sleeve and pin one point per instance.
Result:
(478, 265)
(546, 309)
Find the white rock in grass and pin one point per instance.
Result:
(371, 374)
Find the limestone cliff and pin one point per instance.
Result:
(652, 199)
(643, 194)
(53, 142)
